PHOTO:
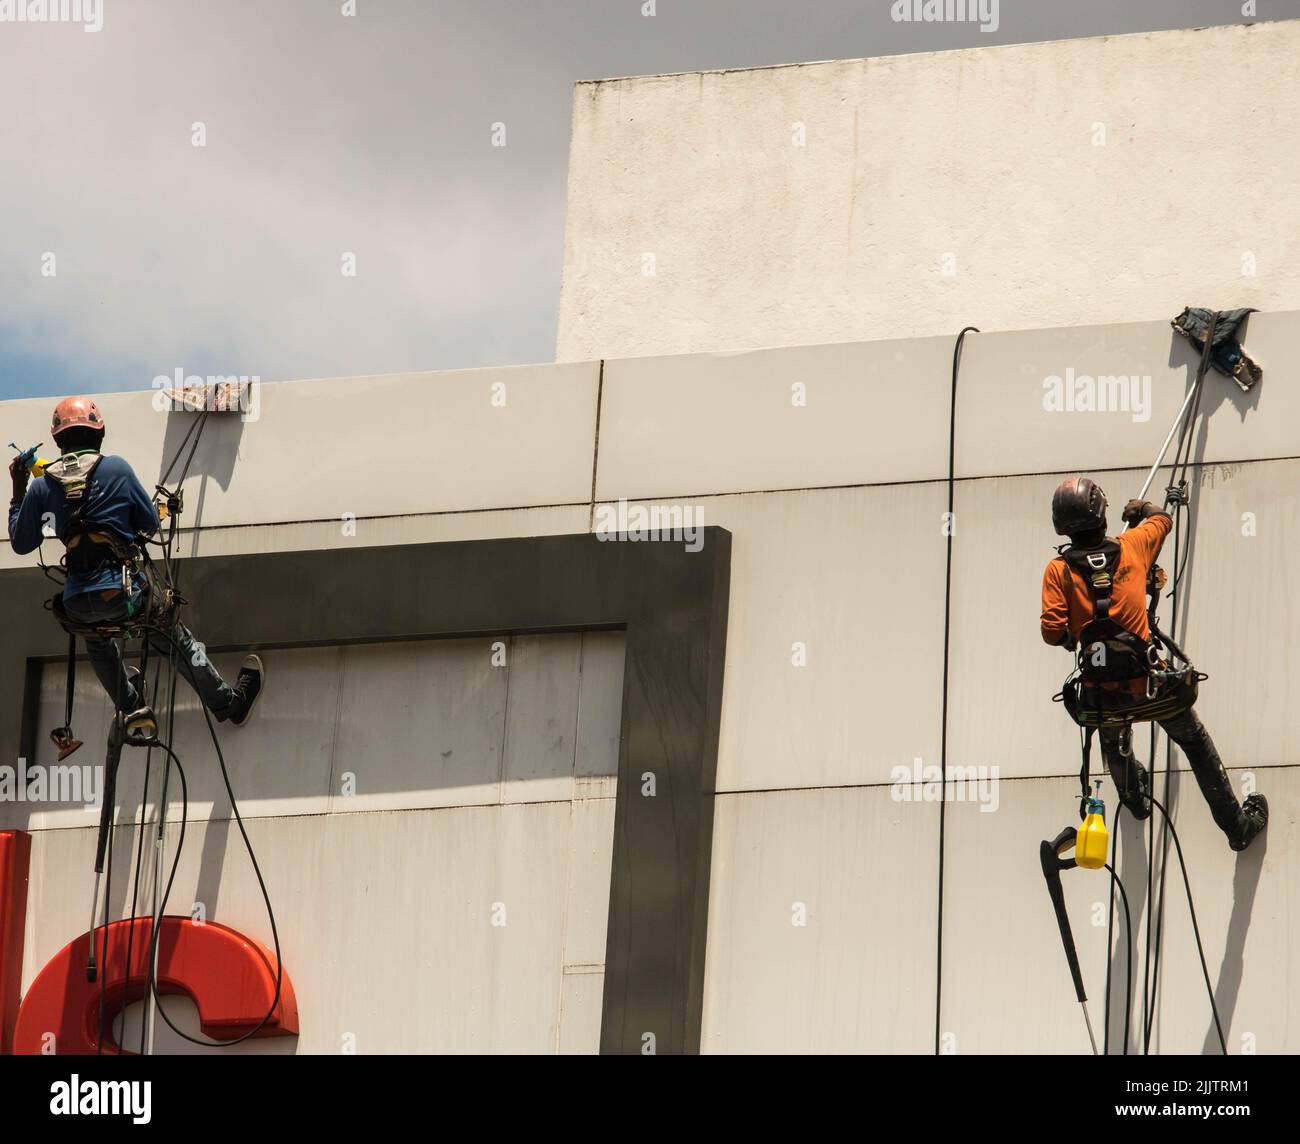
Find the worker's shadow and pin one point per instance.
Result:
(1182, 352)
(1134, 870)
(1246, 878)
(212, 860)
(1245, 883)
(203, 446)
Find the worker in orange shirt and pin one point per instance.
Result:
(1079, 512)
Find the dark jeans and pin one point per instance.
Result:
(106, 654)
(1194, 741)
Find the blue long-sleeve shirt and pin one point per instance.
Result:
(116, 502)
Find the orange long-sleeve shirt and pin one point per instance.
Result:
(1067, 605)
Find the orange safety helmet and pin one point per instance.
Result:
(74, 411)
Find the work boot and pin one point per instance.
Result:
(1254, 818)
(1134, 789)
(248, 686)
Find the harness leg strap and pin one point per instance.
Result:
(62, 737)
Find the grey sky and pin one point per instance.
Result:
(369, 134)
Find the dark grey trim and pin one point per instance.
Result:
(673, 605)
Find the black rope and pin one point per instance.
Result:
(185, 472)
(172, 564)
(261, 882)
(172, 579)
(139, 854)
(1110, 938)
(1176, 498)
(1196, 929)
(135, 889)
(163, 802)
(171, 570)
(1186, 432)
(1182, 455)
(1110, 935)
(139, 851)
(1115, 884)
(103, 957)
(185, 441)
(1167, 824)
(947, 631)
(166, 540)
(110, 792)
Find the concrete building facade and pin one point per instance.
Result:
(1081, 182)
(515, 788)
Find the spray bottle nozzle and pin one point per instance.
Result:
(1095, 803)
(27, 458)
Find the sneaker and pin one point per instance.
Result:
(1254, 815)
(248, 686)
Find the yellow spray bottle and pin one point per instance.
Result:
(29, 460)
(1093, 840)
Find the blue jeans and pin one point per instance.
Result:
(106, 655)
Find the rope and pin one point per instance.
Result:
(947, 632)
(1175, 498)
(261, 882)
(1115, 884)
(172, 571)
(1196, 929)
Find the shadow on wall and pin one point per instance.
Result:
(1180, 556)
(1133, 872)
(1219, 390)
(1226, 973)
(372, 727)
(1245, 883)
(203, 446)
(1216, 390)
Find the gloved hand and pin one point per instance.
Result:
(1137, 511)
(20, 476)
(1069, 643)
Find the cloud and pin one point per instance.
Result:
(324, 136)
(328, 134)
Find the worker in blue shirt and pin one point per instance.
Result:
(99, 589)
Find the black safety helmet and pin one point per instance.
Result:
(1078, 505)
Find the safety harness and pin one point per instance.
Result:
(1109, 653)
(90, 548)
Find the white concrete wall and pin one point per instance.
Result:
(1081, 182)
(835, 507)
(498, 783)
